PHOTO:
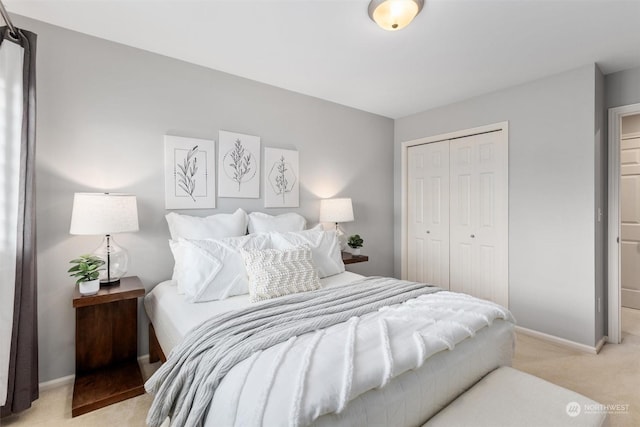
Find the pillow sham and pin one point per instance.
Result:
(193, 267)
(211, 227)
(324, 245)
(260, 222)
(213, 269)
(179, 258)
(274, 273)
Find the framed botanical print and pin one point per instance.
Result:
(281, 178)
(238, 165)
(189, 173)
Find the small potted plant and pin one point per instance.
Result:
(86, 270)
(355, 242)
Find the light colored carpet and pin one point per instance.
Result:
(611, 377)
(53, 409)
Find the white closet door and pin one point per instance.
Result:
(479, 216)
(428, 214)
(630, 221)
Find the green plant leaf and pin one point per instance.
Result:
(86, 268)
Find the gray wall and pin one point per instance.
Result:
(552, 194)
(103, 109)
(622, 88)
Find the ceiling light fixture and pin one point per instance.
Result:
(393, 15)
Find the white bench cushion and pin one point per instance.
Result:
(508, 397)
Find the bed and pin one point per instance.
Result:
(413, 349)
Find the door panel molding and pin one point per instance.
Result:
(482, 192)
(428, 220)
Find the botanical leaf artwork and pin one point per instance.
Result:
(189, 173)
(282, 178)
(186, 172)
(239, 165)
(240, 162)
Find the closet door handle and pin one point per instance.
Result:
(473, 236)
(428, 232)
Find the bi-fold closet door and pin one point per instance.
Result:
(457, 208)
(428, 214)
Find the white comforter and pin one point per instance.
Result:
(295, 382)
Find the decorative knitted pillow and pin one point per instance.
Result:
(274, 273)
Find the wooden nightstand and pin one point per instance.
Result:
(349, 258)
(107, 369)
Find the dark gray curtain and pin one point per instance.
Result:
(23, 362)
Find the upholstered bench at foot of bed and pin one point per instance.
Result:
(508, 397)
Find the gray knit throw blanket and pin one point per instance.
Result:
(184, 385)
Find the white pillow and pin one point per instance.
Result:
(212, 227)
(192, 268)
(325, 247)
(263, 223)
(213, 269)
(179, 257)
(274, 273)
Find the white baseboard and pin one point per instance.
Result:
(69, 379)
(58, 382)
(563, 342)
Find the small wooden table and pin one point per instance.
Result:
(107, 369)
(349, 258)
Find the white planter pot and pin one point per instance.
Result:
(355, 251)
(89, 288)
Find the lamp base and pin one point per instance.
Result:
(113, 282)
(342, 238)
(116, 261)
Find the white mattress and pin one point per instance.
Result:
(172, 317)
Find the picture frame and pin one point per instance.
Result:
(238, 165)
(189, 173)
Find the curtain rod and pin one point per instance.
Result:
(6, 18)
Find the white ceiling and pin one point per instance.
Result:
(330, 49)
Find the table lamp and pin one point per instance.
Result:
(106, 214)
(337, 211)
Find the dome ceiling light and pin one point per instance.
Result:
(393, 15)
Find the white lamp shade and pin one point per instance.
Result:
(104, 213)
(336, 210)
